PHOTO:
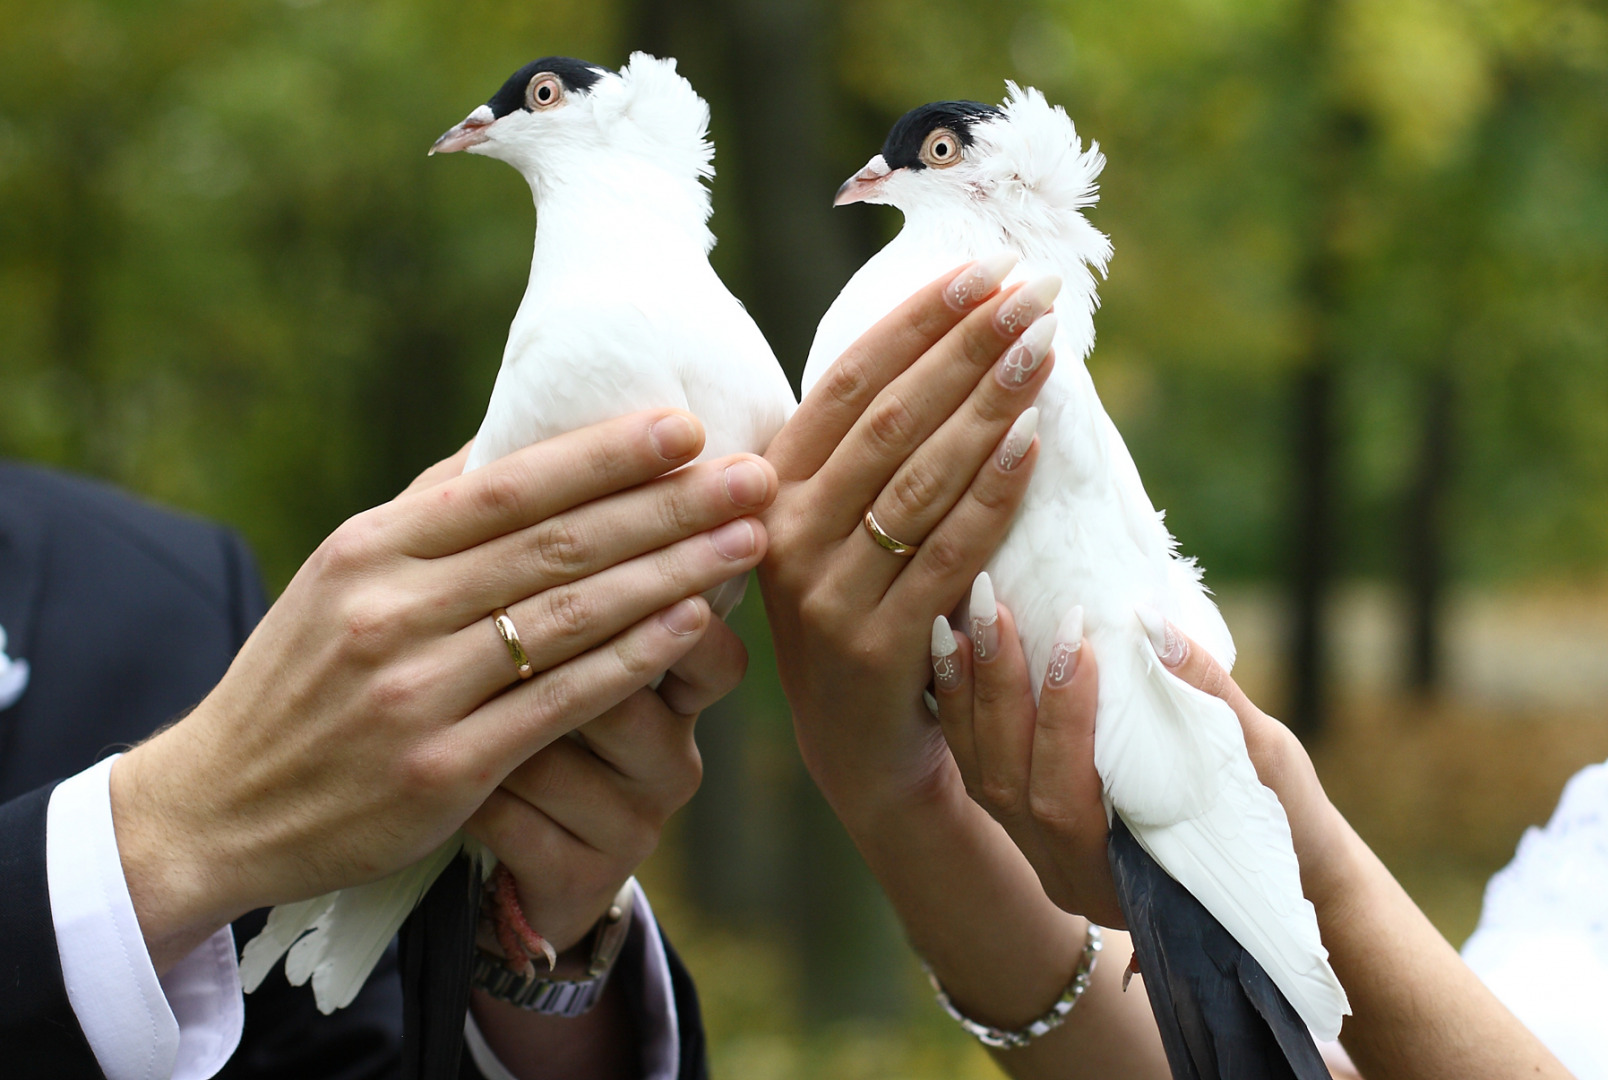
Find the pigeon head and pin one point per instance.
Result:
(1014, 174)
(937, 138)
(564, 122)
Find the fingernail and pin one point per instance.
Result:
(746, 483)
(1027, 352)
(945, 671)
(978, 281)
(984, 618)
(1171, 648)
(1018, 439)
(735, 539)
(683, 619)
(1028, 303)
(674, 436)
(1066, 650)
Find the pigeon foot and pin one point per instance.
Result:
(520, 944)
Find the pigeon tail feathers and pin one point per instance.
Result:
(336, 939)
(1174, 765)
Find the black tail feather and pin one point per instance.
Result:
(438, 942)
(1221, 1017)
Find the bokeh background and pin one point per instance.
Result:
(1355, 333)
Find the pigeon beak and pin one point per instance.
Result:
(865, 184)
(471, 132)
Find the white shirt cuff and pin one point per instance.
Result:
(659, 1024)
(183, 1026)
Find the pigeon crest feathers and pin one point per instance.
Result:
(1040, 179)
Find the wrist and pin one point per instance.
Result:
(174, 888)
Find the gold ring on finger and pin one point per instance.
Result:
(884, 541)
(510, 635)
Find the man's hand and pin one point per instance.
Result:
(573, 823)
(376, 707)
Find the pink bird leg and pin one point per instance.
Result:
(520, 944)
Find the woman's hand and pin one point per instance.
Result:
(375, 707)
(912, 423)
(1032, 767)
(1418, 1012)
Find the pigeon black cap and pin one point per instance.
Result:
(902, 149)
(577, 76)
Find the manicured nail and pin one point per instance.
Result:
(984, 618)
(1027, 352)
(945, 672)
(735, 539)
(1018, 439)
(674, 436)
(1066, 650)
(683, 619)
(978, 281)
(1028, 303)
(746, 483)
(1171, 647)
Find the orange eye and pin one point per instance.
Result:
(544, 91)
(941, 149)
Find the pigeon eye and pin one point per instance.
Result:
(544, 92)
(941, 149)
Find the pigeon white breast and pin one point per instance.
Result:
(973, 180)
(622, 312)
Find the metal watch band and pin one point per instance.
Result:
(562, 997)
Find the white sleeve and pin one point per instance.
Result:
(183, 1026)
(659, 1024)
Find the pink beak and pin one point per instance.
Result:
(865, 184)
(471, 132)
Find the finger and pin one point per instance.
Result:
(543, 479)
(608, 807)
(650, 747)
(706, 674)
(916, 403)
(1191, 663)
(943, 568)
(936, 475)
(834, 405)
(952, 689)
(565, 884)
(566, 620)
(1064, 788)
(589, 539)
(442, 470)
(511, 727)
(1002, 706)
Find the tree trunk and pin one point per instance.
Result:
(1426, 539)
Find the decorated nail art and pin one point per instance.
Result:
(1066, 650)
(1028, 303)
(1171, 647)
(1027, 352)
(978, 281)
(1018, 439)
(984, 618)
(945, 671)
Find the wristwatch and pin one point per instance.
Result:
(562, 997)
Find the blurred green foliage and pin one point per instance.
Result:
(231, 280)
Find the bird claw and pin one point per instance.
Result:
(1131, 970)
(520, 944)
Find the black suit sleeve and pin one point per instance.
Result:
(38, 1028)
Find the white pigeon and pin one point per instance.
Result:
(974, 180)
(623, 312)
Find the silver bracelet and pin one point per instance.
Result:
(1001, 1039)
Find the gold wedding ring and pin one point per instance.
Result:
(510, 636)
(884, 541)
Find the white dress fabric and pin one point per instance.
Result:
(1542, 940)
